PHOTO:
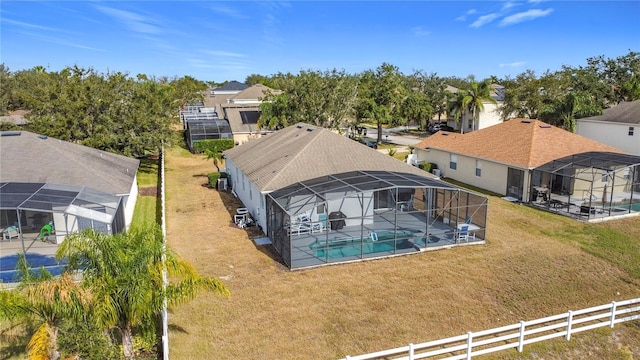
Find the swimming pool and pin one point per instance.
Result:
(8, 273)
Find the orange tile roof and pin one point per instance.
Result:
(521, 142)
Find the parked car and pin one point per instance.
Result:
(434, 128)
(370, 143)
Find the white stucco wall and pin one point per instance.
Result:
(130, 203)
(247, 193)
(612, 134)
(489, 117)
(493, 175)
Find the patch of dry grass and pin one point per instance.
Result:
(523, 272)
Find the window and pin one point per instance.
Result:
(244, 183)
(630, 130)
(478, 168)
(453, 162)
(626, 174)
(605, 176)
(262, 202)
(250, 194)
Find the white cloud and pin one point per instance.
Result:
(135, 22)
(508, 5)
(525, 16)
(228, 11)
(513, 64)
(28, 25)
(224, 54)
(420, 31)
(483, 20)
(464, 17)
(62, 41)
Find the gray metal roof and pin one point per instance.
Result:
(623, 113)
(593, 159)
(334, 186)
(43, 197)
(303, 152)
(31, 158)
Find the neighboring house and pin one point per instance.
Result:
(618, 126)
(76, 187)
(489, 117)
(242, 111)
(520, 155)
(320, 197)
(230, 88)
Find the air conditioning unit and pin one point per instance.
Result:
(437, 172)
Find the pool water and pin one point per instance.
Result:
(8, 273)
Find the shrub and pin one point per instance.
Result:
(213, 179)
(215, 145)
(428, 167)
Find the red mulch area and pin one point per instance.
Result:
(149, 191)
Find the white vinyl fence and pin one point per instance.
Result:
(514, 336)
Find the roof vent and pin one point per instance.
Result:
(445, 134)
(545, 126)
(10, 133)
(299, 126)
(310, 129)
(43, 137)
(525, 121)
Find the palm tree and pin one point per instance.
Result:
(214, 155)
(45, 302)
(125, 274)
(475, 96)
(457, 108)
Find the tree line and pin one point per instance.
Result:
(135, 115)
(387, 96)
(111, 111)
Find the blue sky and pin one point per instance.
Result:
(220, 40)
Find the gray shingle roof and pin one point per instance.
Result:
(232, 86)
(623, 113)
(32, 158)
(234, 114)
(303, 152)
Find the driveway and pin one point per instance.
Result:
(396, 135)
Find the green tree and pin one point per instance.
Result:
(324, 99)
(45, 302)
(214, 156)
(382, 93)
(124, 272)
(417, 108)
(474, 98)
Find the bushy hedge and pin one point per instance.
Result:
(428, 167)
(216, 145)
(213, 178)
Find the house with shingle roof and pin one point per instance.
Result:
(72, 185)
(303, 184)
(242, 111)
(618, 126)
(519, 155)
(488, 117)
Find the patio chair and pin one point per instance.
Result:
(10, 233)
(463, 234)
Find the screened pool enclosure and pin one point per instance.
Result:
(368, 214)
(27, 208)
